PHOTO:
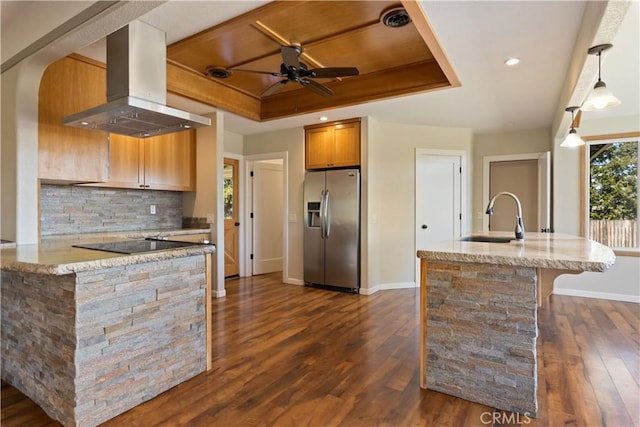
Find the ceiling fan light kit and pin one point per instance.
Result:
(600, 97)
(572, 139)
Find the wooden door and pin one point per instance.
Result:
(126, 168)
(346, 145)
(169, 161)
(68, 154)
(231, 215)
(318, 148)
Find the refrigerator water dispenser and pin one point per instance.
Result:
(313, 214)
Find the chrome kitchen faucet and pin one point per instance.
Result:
(519, 224)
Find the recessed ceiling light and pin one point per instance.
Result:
(511, 62)
(323, 119)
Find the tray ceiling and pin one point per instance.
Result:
(391, 61)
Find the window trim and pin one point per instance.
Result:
(584, 186)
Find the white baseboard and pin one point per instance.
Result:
(219, 294)
(291, 281)
(387, 286)
(599, 295)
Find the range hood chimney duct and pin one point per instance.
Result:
(136, 88)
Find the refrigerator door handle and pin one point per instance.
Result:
(327, 215)
(322, 219)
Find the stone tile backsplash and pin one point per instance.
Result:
(68, 209)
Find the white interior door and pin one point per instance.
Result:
(438, 199)
(267, 216)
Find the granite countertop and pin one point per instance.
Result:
(543, 250)
(57, 256)
(131, 234)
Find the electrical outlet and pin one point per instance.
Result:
(152, 209)
(211, 218)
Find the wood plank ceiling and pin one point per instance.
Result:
(391, 61)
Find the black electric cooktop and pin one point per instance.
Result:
(137, 246)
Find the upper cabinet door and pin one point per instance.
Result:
(67, 154)
(318, 149)
(165, 162)
(332, 145)
(170, 161)
(126, 162)
(346, 144)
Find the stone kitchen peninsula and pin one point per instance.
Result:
(478, 313)
(88, 335)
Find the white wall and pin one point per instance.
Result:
(621, 282)
(233, 143)
(497, 144)
(292, 142)
(19, 153)
(391, 196)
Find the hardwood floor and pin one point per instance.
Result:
(288, 355)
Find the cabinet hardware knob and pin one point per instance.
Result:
(236, 224)
(425, 226)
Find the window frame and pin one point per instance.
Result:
(584, 183)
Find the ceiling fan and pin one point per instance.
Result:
(293, 70)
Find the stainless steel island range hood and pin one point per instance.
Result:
(136, 88)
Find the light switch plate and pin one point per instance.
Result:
(211, 218)
(152, 209)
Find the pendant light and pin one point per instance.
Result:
(600, 97)
(572, 139)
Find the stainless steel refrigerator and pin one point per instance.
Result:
(332, 229)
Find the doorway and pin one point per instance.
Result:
(266, 205)
(231, 196)
(439, 187)
(519, 177)
(528, 177)
(266, 216)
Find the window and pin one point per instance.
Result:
(612, 190)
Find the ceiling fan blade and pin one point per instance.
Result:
(318, 88)
(290, 57)
(273, 88)
(331, 72)
(271, 73)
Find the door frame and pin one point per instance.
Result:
(486, 169)
(248, 195)
(464, 182)
(241, 207)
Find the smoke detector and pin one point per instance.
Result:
(395, 17)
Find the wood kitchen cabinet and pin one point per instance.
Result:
(332, 145)
(164, 162)
(66, 154)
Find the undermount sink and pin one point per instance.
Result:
(486, 239)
